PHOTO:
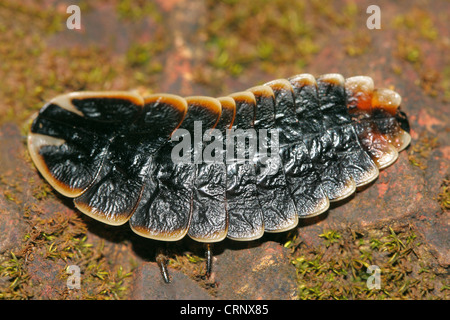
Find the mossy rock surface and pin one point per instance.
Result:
(400, 223)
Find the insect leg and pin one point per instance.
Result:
(161, 260)
(208, 254)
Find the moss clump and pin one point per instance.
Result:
(264, 35)
(409, 50)
(138, 9)
(51, 245)
(339, 268)
(33, 71)
(19, 279)
(444, 196)
(418, 21)
(358, 43)
(22, 27)
(279, 38)
(417, 34)
(421, 150)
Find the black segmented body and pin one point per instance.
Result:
(111, 152)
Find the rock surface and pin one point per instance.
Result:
(34, 220)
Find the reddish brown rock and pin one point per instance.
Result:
(255, 271)
(149, 285)
(14, 188)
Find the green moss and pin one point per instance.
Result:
(285, 36)
(330, 237)
(13, 269)
(138, 9)
(408, 49)
(416, 33)
(421, 150)
(339, 269)
(357, 44)
(444, 196)
(446, 83)
(417, 20)
(274, 37)
(61, 238)
(144, 58)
